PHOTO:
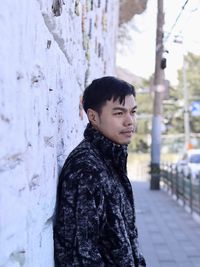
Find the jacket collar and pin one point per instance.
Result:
(110, 150)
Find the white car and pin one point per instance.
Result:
(189, 163)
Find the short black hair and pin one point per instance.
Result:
(103, 89)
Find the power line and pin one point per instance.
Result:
(179, 36)
(189, 17)
(179, 15)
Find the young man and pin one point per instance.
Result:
(95, 214)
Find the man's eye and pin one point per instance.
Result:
(133, 112)
(118, 113)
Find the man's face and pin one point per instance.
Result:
(117, 121)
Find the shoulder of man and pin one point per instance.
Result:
(82, 156)
(83, 166)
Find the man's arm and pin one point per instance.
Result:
(77, 222)
(140, 258)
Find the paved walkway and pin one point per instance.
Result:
(168, 235)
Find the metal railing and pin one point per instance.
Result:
(183, 187)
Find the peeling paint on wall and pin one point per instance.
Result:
(57, 7)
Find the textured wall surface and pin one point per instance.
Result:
(47, 56)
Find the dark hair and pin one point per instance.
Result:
(103, 89)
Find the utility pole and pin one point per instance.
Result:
(158, 88)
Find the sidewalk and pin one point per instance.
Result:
(168, 235)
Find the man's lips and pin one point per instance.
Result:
(130, 131)
(127, 132)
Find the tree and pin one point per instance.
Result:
(129, 8)
(193, 75)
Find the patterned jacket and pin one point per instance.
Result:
(95, 213)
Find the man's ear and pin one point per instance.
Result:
(93, 116)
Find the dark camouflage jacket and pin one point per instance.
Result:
(95, 214)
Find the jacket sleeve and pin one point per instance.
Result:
(140, 260)
(77, 221)
(122, 243)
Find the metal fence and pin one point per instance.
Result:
(181, 186)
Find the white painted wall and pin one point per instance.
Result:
(45, 63)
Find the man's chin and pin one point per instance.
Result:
(125, 142)
(122, 141)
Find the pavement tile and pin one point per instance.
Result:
(195, 261)
(186, 264)
(168, 264)
(180, 235)
(163, 252)
(158, 239)
(190, 249)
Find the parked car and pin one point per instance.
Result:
(189, 163)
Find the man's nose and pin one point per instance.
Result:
(129, 119)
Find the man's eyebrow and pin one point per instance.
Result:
(123, 109)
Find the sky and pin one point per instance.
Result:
(138, 53)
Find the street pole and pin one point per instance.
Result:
(186, 106)
(180, 40)
(158, 86)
